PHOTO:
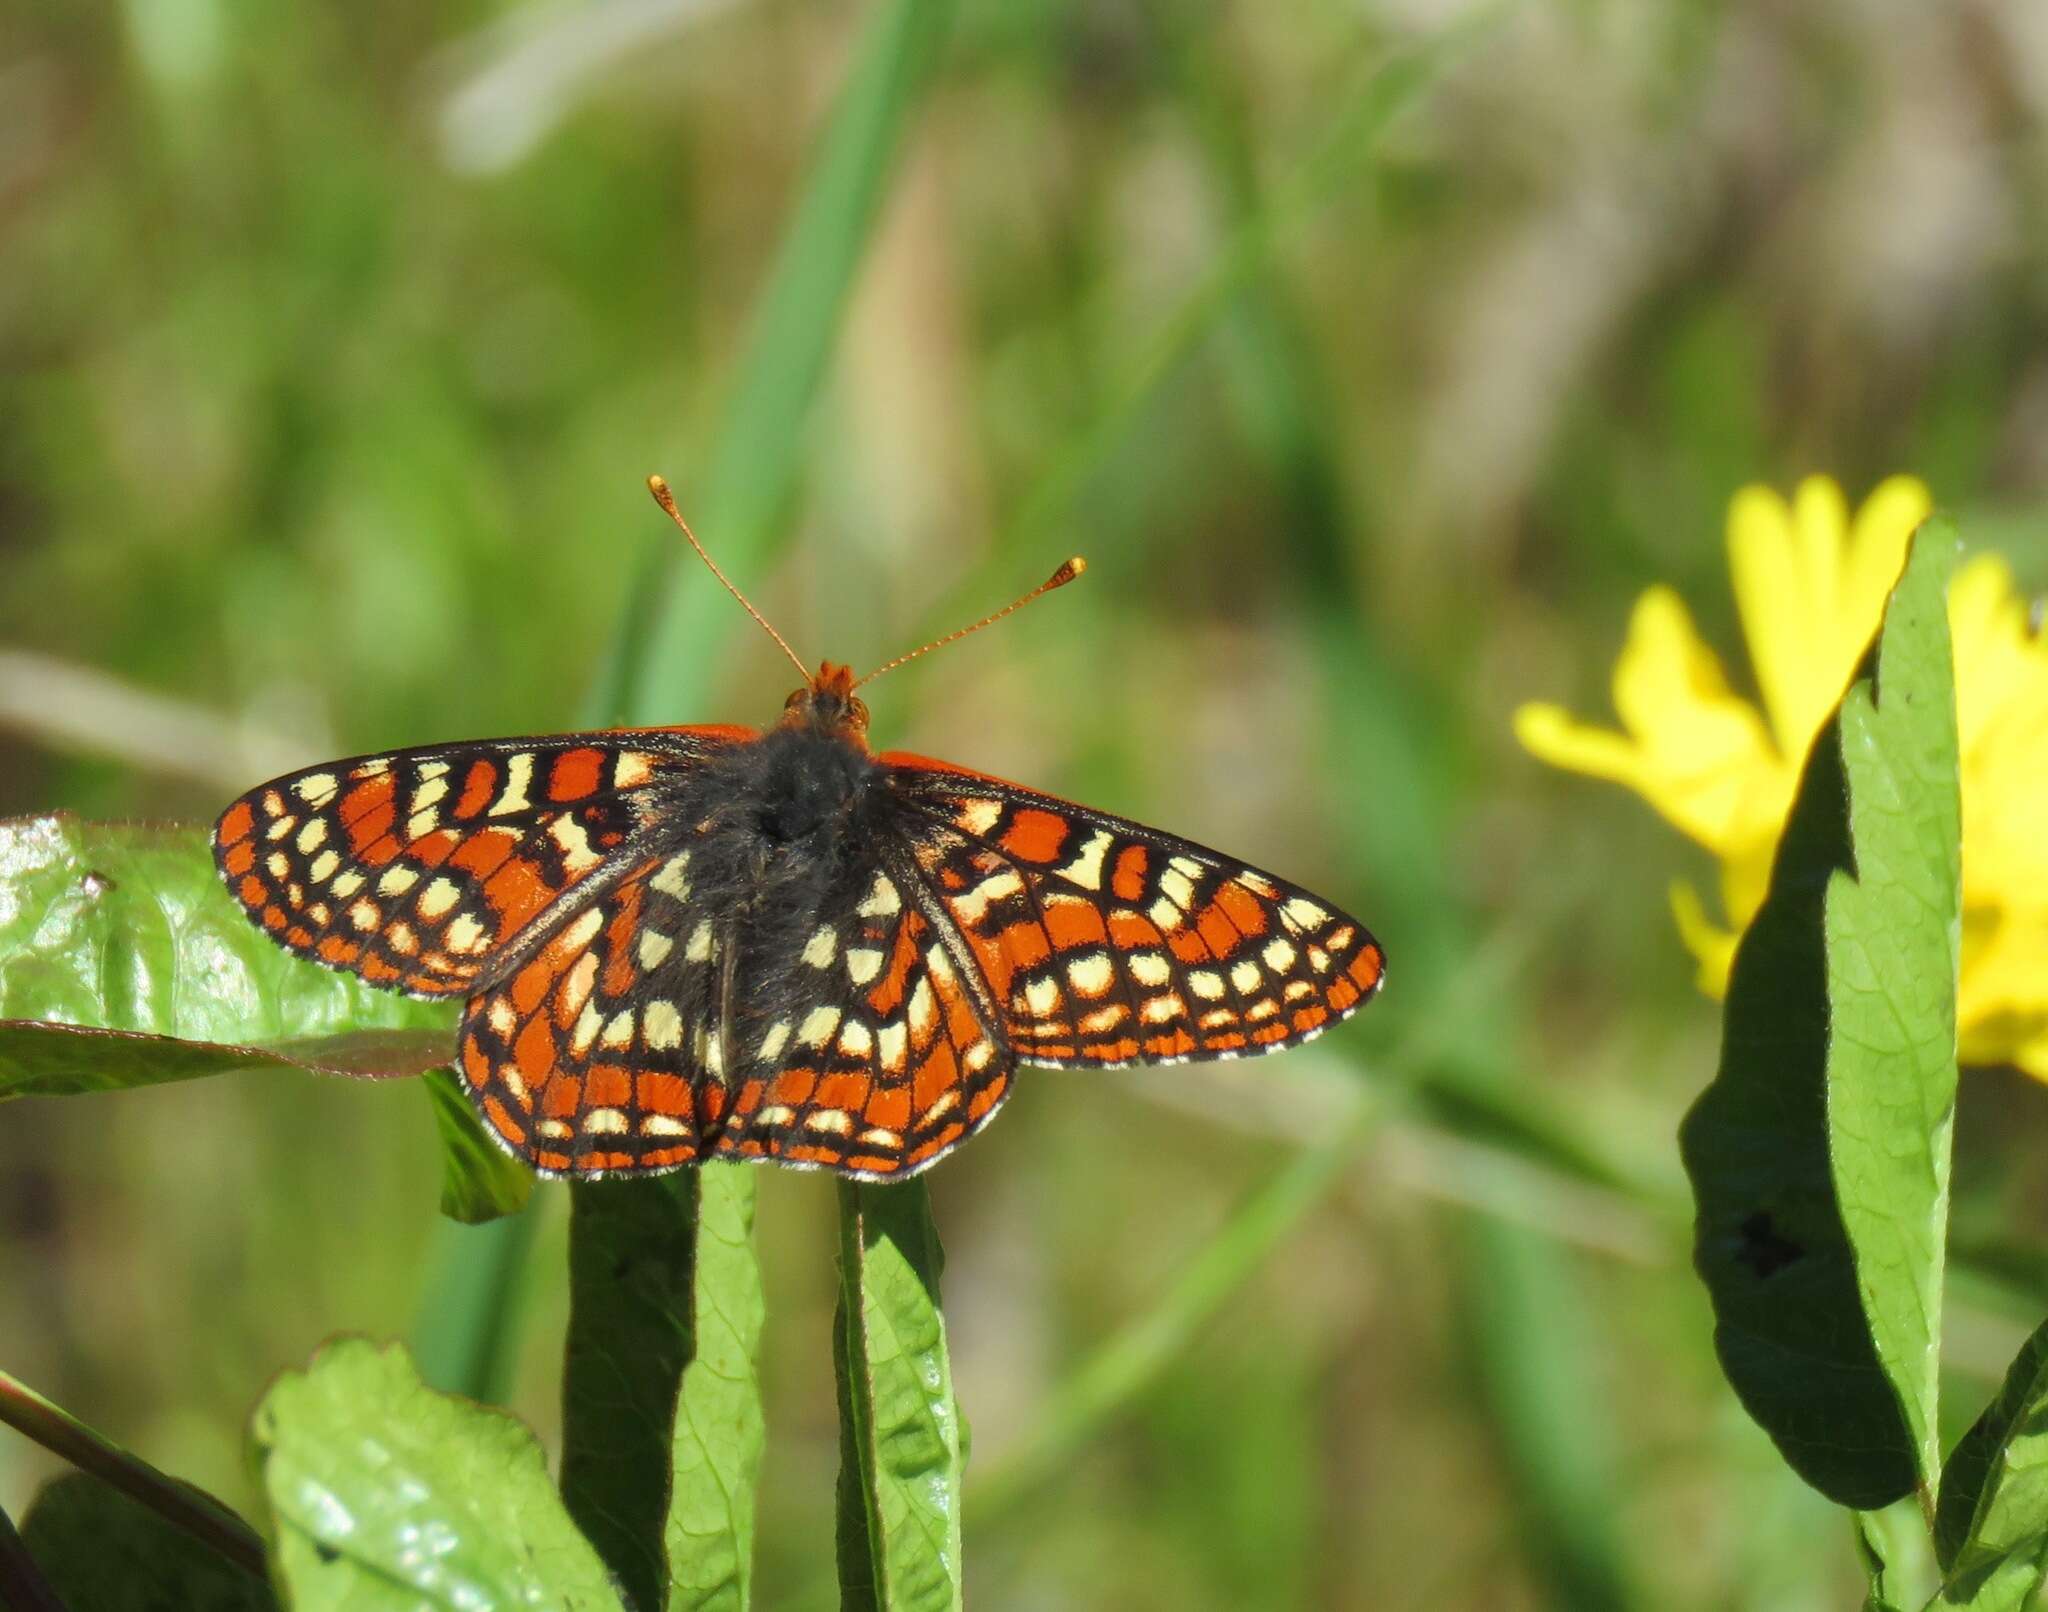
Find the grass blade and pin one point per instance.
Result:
(745, 487)
(465, 1338)
(900, 1436)
(1819, 1155)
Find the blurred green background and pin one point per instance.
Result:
(335, 344)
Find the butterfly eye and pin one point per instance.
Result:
(859, 708)
(796, 699)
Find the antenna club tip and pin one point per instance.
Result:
(1066, 573)
(657, 486)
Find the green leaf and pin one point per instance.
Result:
(479, 1180)
(1819, 1155)
(1874, 1549)
(102, 1551)
(632, 1273)
(124, 962)
(385, 1494)
(1991, 1525)
(661, 1417)
(900, 1439)
(720, 1425)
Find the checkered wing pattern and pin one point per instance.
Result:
(636, 1037)
(883, 1055)
(420, 870)
(601, 1049)
(1102, 942)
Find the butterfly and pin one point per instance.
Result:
(683, 943)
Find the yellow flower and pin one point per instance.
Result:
(1810, 585)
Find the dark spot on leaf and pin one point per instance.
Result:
(327, 1553)
(1764, 1249)
(95, 883)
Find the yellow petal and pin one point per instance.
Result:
(1712, 945)
(1693, 750)
(1770, 594)
(1877, 554)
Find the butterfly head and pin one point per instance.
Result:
(827, 704)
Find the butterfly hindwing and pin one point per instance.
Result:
(876, 1057)
(1104, 942)
(602, 1049)
(420, 869)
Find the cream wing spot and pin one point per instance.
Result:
(605, 1122)
(465, 935)
(774, 1114)
(631, 770)
(833, 1121)
(882, 900)
(316, 789)
(1175, 884)
(347, 884)
(663, 1125)
(619, 1032)
(1091, 975)
(823, 945)
(311, 836)
(1279, 956)
(437, 898)
(1164, 915)
(1246, 977)
(698, 948)
(863, 963)
(1149, 968)
(818, 1026)
(652, 948)
(1205, 984)
(673, 879)
(1161, 1009)
(577, 856)
(518, 776)
(323, 866)
(979, 815)
(399, 879)
(1042, 995)
(893, 1041)
(661, 1025)
(774, 1041)
(588, 1023)
(854, 1039)
(1086, 868)
(1303, 913)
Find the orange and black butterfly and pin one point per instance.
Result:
(686, 943)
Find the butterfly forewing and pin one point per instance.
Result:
(420, 869)
(1103, 942)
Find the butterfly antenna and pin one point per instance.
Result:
(1059, 579)
(667, 500)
